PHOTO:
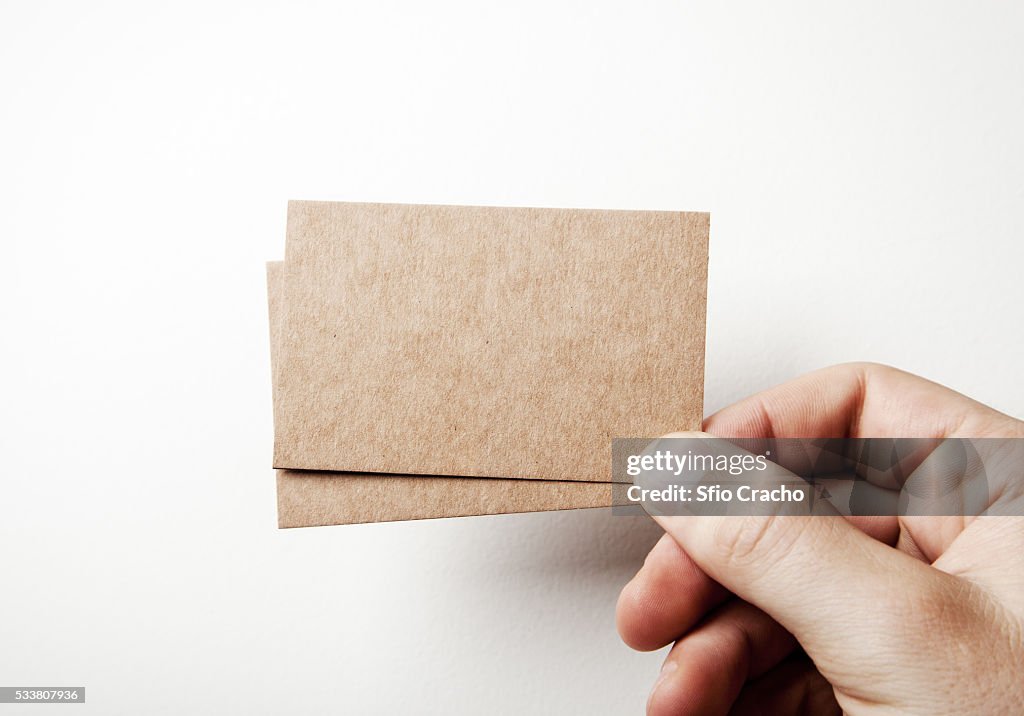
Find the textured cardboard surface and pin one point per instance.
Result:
(309, 499)
(490, 342)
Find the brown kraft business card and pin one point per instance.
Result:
(484, 341)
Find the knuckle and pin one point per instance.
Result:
(926, 611)
(943, 606)
(757, 540)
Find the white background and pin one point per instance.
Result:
(863, 163)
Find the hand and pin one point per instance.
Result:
(909, 615)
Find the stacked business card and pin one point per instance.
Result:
(443, 361)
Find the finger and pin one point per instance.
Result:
(959, 481)
(882, 528)
(670, 593)
(793, 688)
(666, 598)
(650, 584)
(971, 556)
(857, 400)
(798, 568)
(708, 667)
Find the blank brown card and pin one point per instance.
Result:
(486, 342)
(307, 499)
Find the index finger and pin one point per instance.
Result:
(857, 400)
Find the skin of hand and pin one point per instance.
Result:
(825, 614)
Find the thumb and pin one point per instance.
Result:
(840, 592)
(818, 576)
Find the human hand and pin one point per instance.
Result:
(909, 615)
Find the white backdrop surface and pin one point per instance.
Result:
(863, 163)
